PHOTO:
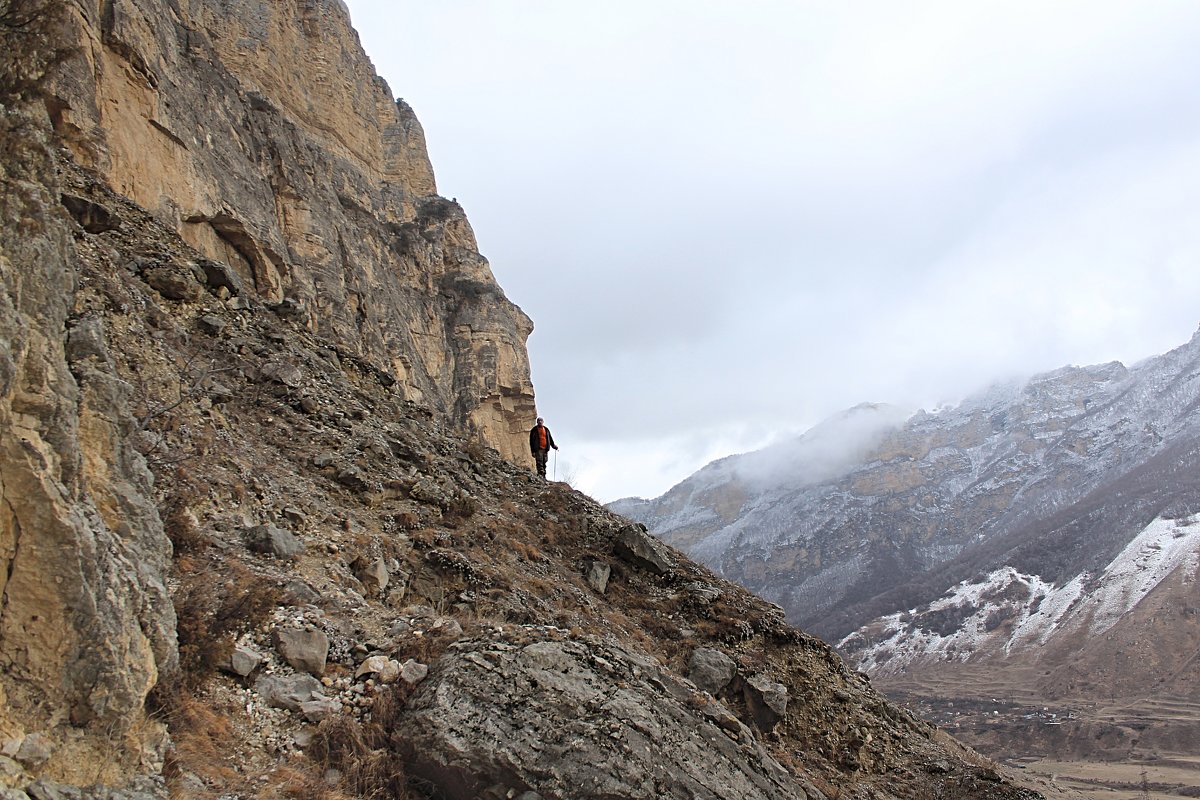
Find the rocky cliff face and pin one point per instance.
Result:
(87, 627)
(260, 132)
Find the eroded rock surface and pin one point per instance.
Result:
(261, 133)
(578, 718)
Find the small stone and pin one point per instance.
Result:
(10, 771)
(219, 393)
(309, 406)
(294, 515)
(243, 661)
(413, 672)
(298, 593)
(319, 708)
(383, 668)
(211, 324)
(282, 372)
(447, 626)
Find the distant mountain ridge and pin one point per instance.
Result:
(1052, 477)
(1024, 568)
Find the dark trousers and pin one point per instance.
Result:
(539, 458)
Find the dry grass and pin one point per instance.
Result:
(201, 738)
(364, 752)
(178, 520)
(210, 613)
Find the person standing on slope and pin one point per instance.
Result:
(540, 442)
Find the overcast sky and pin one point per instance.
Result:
(729, 220)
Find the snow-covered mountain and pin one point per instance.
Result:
(1035, 512)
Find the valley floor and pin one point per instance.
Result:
(1121, 747)
(1121, 781)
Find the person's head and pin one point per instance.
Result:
(540, 420)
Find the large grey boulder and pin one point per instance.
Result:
(766, 699)
(639, 548)
(303, 650)
(577, 718)
(711, 670)
(272, 540)
(290, 692)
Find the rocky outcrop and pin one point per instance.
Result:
(540, 713)
(87, 628)
(260, 132)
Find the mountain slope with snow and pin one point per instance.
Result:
(1031, 489)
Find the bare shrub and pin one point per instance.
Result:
(363, 752)
(200, 737)
(210, 614)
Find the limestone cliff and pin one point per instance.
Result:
(261, 133)
(87, 628)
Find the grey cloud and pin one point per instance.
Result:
(760, 214)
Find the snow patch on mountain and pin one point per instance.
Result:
(1007, 609)
(1160, 549)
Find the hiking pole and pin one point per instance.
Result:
(554, 473)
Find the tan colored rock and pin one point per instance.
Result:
(87, 627)
(266, 139)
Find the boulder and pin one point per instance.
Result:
(289, 692)
(303, 650)
(383, 668)
(220, 276)
(413, 671)
(174, 284)
(711, 670)
(579, 718)
(597, 575)
(319, 708)
(272, 540)
(373, 574)
(634, 545)
(243, 661)
(766, 699)
(297, 592)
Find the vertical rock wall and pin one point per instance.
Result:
(259, 129)
(86, 624)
